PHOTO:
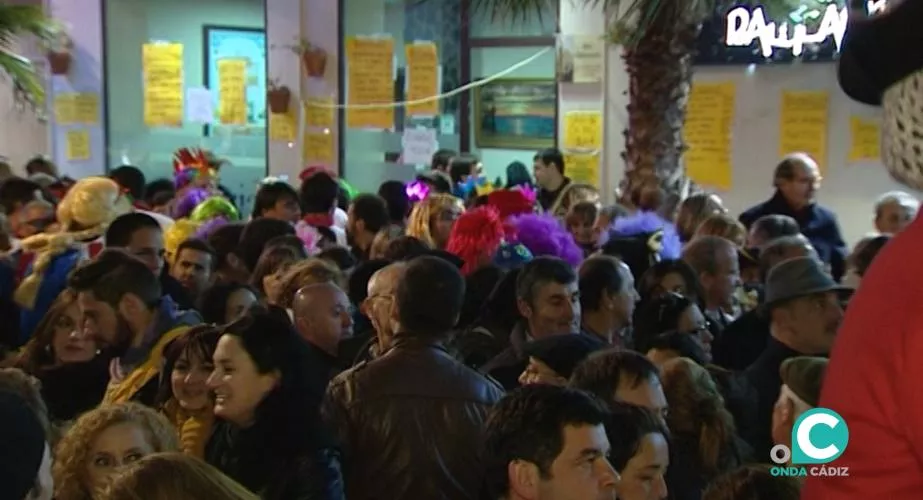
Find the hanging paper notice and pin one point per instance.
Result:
(77, 145)
(283, 127)
(583, 168)
(865, 139)
(162, 70)
(422, 78)
(707, 132)
(803, 125)
(580, 58)
(65, 112)
(76, 108)
(199, 105)
(583, 130)
(232, 91)
(318, 148)
(319, 112)
(418, 145)
(370, 81)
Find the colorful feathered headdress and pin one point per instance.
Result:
(476, 236)
(190, 164)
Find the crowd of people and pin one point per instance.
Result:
(438, 339)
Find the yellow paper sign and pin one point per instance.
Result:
(232, 91)
(65, 112)
(422, 78)
(162, 69)
(318, 112)
(77, 145)
(803, 125)
(283, 127)
(865, 139)
(318, 148)
(583, 168)
(583, 130)
(370, 80)
(707, 133)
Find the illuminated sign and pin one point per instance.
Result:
(808, 27)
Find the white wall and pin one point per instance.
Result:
(849, 190)
(23, 134)
(130, 24)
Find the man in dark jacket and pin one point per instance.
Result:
(409, 422)
(797, 180)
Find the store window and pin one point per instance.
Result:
(372, 145)
(167, 64)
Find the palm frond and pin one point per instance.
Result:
(17, 21)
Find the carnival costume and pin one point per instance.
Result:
(641, 240)
(544, 235)
(83, 216)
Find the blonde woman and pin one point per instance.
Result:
(693, 211)
(432, 219)
(104, 440)
(704, 442)
(174, 476)
(723, 226)
(307, 272)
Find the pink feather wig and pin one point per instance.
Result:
(476, 236)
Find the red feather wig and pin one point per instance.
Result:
(476, 236)
(510, 202)
(195, 159)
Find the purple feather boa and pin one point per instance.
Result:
(544, 235)
(643, 223)
(191, 199)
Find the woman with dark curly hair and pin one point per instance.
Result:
(269, 437)
(102, 441)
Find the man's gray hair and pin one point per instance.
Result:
(905, 200)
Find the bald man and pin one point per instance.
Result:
(797, 180)
(322, 317)
(378, 308)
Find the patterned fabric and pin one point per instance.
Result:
(902, 128)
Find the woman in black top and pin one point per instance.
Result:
(269, 437)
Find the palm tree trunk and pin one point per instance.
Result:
(660, 70)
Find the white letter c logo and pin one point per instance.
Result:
(804, 436)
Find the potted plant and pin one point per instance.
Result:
(58, 49)
(279, 97)
(313, 58)
(16, 20)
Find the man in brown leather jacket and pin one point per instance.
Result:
(410, 421)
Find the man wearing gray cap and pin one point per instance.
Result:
(804, 311)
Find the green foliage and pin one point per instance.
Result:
(18, 20)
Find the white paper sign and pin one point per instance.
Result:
(199, 107)
(418, 145)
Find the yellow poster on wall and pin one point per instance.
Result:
(583, 130)
(370, 80)
(864, 140)
(232, 91)
(583, 167)
(162, 73)
(74, 108)
(283, 127)
(422, 78)
(318, 112)
(77, 145)
(707, 132)
(803, 124)
(318, 148)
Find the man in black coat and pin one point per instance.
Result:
(797, 179)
